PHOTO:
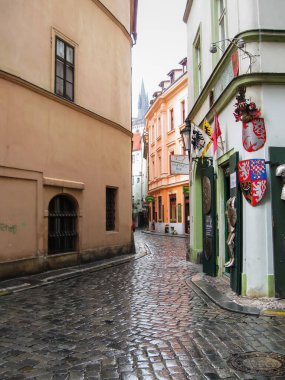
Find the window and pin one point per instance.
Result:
(197, 65)
(172, 207)
(111, 195)
(62, 224)
(160, 211)
(158, 127)
(182, 111)
(222, 24)
(64, 69)
(159, 166)
(171, 119)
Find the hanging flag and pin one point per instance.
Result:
(207, 129)
(198, 141)
(253, 179)
(216, 133)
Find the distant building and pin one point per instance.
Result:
(139, 163)
(168, 192)
(65, 133)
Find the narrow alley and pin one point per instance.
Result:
(139, 320)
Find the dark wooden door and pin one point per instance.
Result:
(209, 221)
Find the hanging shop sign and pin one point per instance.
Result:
(253, 179)
(186, 190)
(149, 198)
(179, 164)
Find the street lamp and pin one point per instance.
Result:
(186, 137)
(186, 134)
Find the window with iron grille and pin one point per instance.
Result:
(62, 224)
(111, 195)
(64, 69)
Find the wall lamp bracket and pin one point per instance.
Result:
(238, 43)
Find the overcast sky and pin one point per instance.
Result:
(161, 44)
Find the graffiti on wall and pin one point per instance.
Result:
(8, 228)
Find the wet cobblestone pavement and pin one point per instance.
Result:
(140, 320)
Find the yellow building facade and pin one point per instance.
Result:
(167, 192)
(65, 132)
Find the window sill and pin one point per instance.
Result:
(171, 131)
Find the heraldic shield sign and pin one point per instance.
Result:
(253, 134)
(253, 179)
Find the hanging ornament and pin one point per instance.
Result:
(253, 126)
(253, 134)
(253, 179)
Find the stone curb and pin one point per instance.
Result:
(166, 235)
(225, 303)
(24, 283)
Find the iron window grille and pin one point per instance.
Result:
(62, 225)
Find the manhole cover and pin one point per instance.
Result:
(259, 363)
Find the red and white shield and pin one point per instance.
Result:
(253, 179)
(253, 134)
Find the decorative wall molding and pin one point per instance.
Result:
(32, 87)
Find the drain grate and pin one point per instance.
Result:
(259, 363)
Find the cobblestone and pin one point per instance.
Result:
(138, 320)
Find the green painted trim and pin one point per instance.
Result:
(243, 284)
(225, 157)
(248, 36)
(220, 190)
(215, 30)
(230, 91)
(196, 42)
(270, 281)
(271, 285)
(195, 255)
(197, 245)
(263, 35)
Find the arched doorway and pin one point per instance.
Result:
(62, 224)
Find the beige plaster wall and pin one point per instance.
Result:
(50, 146)
(20, 224)
(27, 35)
(39, 134)
(118, 10)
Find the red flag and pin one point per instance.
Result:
(216, 132)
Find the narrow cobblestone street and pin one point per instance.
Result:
(140, 320)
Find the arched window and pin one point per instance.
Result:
(62, 224)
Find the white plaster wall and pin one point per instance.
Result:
(200, 15)
(257, 225)
(271, 13)
(254, 14)
(272, 56)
